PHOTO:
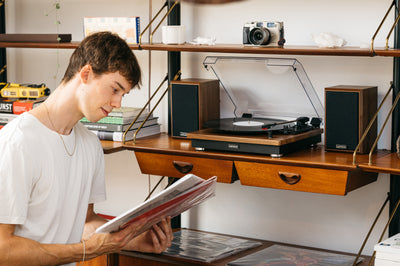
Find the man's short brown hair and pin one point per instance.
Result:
(106, 53)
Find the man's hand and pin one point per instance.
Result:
(155, 240)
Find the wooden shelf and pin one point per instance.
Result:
(383, 162)
(387, 52)
(68, 45)
(240, 48)
(111, 146)
(225, 48)
(317, 157)
(49, 45)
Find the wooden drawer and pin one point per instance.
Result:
(178, 166)
(327, 181)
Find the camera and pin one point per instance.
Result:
(264, 33)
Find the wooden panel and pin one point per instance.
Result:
(111, 146)
(385, 163)
(178, 166)
(99, 261)
(305, 179)
(276, 140)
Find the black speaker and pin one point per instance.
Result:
(348, 111)
(193, 102)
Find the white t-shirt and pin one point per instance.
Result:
(43, 190)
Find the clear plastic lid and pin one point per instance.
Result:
(264, 87)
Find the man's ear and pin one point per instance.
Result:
(85, 73)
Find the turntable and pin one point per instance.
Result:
(265, 119)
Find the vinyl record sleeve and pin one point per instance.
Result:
(184, 194)
(206, 247)
(287, 255)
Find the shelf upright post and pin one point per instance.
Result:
(3, 57)
(394, 227)
(174, 65)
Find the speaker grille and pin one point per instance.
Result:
(185, 109)
(342, 120)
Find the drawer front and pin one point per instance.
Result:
(293, 178)
(178, 166)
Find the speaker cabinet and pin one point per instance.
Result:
(193, 102)
(348, 111)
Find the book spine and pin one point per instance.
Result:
(18, 106)
(6, 118)
(127, 114)
(104, 127)
(21, 107)
(117, 127)
(137, 29)
(108, 120)
(6, 107)
(105, 135)
(116, 120)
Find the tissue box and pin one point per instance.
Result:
(128, 28)
(388, 251)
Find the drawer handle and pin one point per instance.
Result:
(289, 178)
(183, 167)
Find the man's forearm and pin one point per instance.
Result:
(23, 251)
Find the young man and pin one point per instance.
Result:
(52, 167)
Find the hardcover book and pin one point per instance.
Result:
(118, 127)
(126, 111)
(121, 116)
(187, 192)
(6, 118)
(118, 136)
(19, 106)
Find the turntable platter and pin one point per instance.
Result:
(244, 125)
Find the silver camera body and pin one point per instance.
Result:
(264, 33)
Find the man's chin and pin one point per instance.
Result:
(94, 119)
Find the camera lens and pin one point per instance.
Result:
(259, 36)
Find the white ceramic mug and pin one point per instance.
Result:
(173, 34)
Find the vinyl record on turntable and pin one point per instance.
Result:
(244, 125)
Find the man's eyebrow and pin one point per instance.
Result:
(122, 87)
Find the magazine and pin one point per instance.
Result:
(184, 194)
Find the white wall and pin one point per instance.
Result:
(325, 221)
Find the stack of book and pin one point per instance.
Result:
(388, 251)
(10, 108)
(117, 122)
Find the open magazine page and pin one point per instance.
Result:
(184, 194)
